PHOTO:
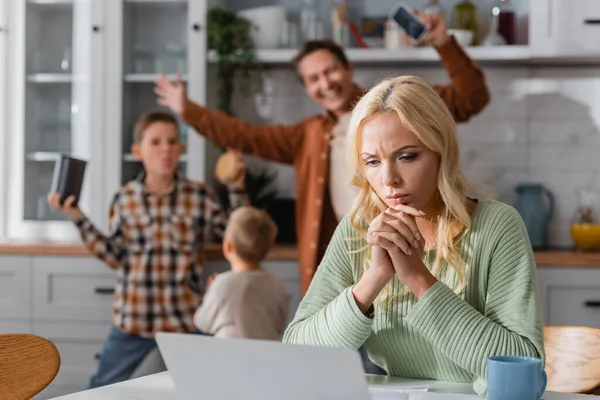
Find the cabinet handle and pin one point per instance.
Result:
(96, 28)
(591, 21)
(592, 303)
(104, 290)
(97, 356)
(196, 27)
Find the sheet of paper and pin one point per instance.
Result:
(381, 392)
(443, 396)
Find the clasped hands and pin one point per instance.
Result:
(397, 248)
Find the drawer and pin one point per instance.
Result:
(78, 345)
(570, 296)
(72, 288)
(14, 326)
(574, 305)
(14, 287)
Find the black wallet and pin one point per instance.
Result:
(68, 177)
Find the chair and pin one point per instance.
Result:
(572, 358)
(28, 363)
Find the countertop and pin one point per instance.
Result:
(287, 252)
(212, 251)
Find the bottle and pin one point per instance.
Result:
(339, 22)
(464, 17)
(494, 38)
(433, 7)
(308, 20)
(507, 22)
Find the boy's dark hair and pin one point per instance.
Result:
(311, 46)
(147, 119)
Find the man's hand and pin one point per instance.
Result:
(435, 24)
(171, 94)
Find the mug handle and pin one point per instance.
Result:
(544, 383)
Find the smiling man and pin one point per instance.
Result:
(315, 145)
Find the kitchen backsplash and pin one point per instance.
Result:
(542, 125)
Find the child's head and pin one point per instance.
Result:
(156, 142)
(249, 236)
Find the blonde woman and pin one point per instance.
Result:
(432, 281)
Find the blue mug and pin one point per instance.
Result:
(515, 378)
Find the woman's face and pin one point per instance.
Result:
(397, 165)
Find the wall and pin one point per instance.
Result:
(542, 125)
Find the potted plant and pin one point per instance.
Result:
(229, 35)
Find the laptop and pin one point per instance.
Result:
(204, 367)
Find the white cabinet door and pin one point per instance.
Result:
(78, 345)
(72, 288)
(147, 38)
(56, 91)
(14, 287)
(570, 296)
(3, 114)
(14, 326)
(564, 27)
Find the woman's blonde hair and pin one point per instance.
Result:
(422, 111)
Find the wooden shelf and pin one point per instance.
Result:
(150, 78)
(521, 55)
(50, 78)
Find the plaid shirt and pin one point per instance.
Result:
(155, 243)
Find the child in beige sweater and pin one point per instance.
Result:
(248, 301)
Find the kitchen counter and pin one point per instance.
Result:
(287, 252)
(212, 251)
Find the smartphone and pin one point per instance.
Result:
(408, 21)
(68, 178)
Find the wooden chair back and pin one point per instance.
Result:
(28, 363)
(572, 358)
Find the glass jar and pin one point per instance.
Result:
(464, 17)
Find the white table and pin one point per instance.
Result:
(160, 387)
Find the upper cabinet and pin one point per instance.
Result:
(55, 78)
(76, 74)
(3, 115)
(146, 38)
(561, 28)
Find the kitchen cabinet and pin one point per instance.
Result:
(570, 296)
(148, 38)
(68, 300)
(74, 289)
(3, 115)
(562, 28)
(55, 81)
(78, 75)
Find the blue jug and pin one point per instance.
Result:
(535, 212)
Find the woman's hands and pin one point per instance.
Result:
(398, 234)
(396, 249)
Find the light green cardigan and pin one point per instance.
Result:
(444, 336)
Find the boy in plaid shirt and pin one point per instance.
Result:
(158, 225)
